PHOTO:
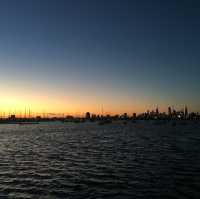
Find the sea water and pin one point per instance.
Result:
(86, 160)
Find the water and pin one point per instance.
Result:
(142, 160)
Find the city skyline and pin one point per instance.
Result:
(72, 57)
(172, 114)
(29, 113)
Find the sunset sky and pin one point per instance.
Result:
(73, 56)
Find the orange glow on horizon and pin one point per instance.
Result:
(21, 102)
(40, 105)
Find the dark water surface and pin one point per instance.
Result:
(142, 160)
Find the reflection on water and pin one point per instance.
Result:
(142, 160)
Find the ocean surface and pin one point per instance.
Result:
(145, 160)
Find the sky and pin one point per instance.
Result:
(73, 56)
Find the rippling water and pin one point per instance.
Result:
(142, 160)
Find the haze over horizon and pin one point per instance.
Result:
(75, 56)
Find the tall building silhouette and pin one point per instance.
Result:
(157, 111)
(186, 112)
(87, 115)
(169, 111)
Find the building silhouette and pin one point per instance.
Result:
(186, 112)
(87, 116)
(169, 111)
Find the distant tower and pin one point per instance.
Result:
(157, 111)
(87, 115)
(186, 112)
(169, 111)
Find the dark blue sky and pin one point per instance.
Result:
(122, 50)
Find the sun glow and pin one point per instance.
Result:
(21, 101)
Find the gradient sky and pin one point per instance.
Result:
(74, 56)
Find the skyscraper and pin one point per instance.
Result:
(157, 111)
(87, 115)
(169, 111)
(186, 112)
